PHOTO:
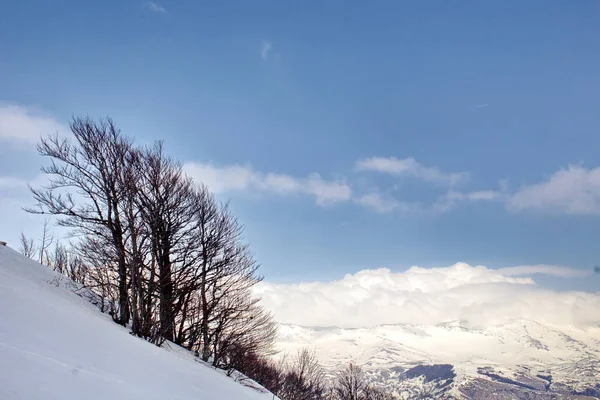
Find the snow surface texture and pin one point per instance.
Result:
(56, 345)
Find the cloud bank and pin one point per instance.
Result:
(476, 294)
(239, 178)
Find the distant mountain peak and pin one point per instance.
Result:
(519, 359)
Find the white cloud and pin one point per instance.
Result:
(451, 199)
(22, 124)
(574, 190)
(222, 179)
(410, 167)
(378, 202)
(326, 192)
(242, 178)
(479, 295)
(265, 49)
(385, 203)
(156, 7)
(482, 195)
(542, 269)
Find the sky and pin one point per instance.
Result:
(348, 136)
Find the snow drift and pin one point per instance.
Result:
(56, 345)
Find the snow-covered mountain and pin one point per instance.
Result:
(521, 359)
(56, 345)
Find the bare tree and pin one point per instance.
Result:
(241, 323)
(60, 260)
(46, 241)
(298, 378)
(85, 190)
(350, 384)
(226, 271)
(156, 249)
(27, 246)
(303, 378)
(101, 267)
(77, 270)
(372, 393)
(167, 203)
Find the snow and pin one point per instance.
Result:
(521, 342)
(56, 345)
(570, 354)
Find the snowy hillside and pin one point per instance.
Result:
(56, 345)
(523, 359)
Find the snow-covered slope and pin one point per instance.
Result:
(524, 358)
(56, 345)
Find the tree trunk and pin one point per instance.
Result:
(205, 316)
(123, 318)
(167, 319)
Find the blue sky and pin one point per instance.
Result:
(348, 135)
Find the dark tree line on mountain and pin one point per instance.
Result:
(302, 378)
(166, 259)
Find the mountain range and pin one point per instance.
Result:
(523, 359)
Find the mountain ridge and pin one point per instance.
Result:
(522, 359)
